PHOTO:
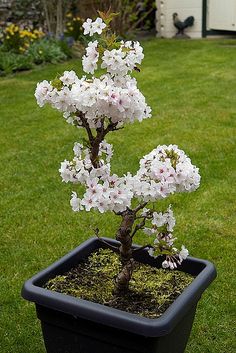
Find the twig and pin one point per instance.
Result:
(113, 248)
(138, 227)
(148, 216)
(140, 207)
(110, 127)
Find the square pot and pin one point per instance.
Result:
(72, 325)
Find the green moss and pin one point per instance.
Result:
(151, 290)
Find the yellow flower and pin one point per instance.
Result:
(71, 28)
(23, 33)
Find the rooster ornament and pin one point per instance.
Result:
(188, 22)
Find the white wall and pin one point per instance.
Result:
(222, 15)
(184, 8)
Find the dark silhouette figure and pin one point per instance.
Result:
(182, 25)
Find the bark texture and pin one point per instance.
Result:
(124, 237)
(94, 141)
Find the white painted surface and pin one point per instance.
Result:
(184, 8)
(222, 14)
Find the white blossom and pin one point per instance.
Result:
(183, 252)
(78, 148)
(68, 78)
(42, 92)
(75, 202)
(90, 59)
(88, 27)
(91, 27)
(159, 219)
(98, 25)
(165, 264)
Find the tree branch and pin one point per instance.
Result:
(138, 227)
(87, 128)
(110, 127)
(149, 216)
(140, 207)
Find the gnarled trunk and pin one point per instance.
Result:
(124, 237)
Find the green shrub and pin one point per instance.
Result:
(41, 51)
(11, 62)
(46, 51)
(65, 47)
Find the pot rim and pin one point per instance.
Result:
(109, 316)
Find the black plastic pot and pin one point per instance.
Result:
(72, 325)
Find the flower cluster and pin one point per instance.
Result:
(116, 98)
(116, 61)
(117, 192)
(18, 39)
(90, 60)
(114, 95)
(123, 60)
(103, 191)
(164, 171)
(162, 226)
(81, 170)
(109, 195)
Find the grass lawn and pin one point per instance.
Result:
(191, 88)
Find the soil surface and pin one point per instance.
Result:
(151, 290)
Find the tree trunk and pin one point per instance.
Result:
(124, 237)
(95, 150)
(59, 25)
(54, 11)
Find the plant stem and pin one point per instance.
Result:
(125, 232)
(96, 140)
(123, 235)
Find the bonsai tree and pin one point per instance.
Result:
(104, 102)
